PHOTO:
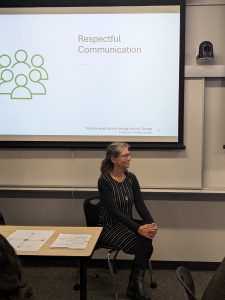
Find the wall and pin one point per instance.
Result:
(183, 189)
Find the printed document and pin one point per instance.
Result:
(72, 241)
(29, 240)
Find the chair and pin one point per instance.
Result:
(2, 221)
(91, 211)
(185, 278)
(215, 289)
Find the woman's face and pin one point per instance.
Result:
(123, 159)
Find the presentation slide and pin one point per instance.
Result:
(90, 76)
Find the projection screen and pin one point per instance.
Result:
(85, 76)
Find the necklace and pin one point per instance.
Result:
(118, 178)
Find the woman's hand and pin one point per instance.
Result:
(148, 230)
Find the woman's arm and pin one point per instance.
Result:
(148, 230)
(139, 202)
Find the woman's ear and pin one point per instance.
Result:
(113, 159)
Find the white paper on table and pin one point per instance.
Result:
(71, 241)
(29, 240)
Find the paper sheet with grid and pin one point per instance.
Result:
(29, 240)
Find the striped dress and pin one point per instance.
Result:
(117, 199)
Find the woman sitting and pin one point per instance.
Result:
(119, 192)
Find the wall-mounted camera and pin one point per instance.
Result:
(205, 53)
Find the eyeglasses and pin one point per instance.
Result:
(126, 156)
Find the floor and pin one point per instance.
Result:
(56, 283)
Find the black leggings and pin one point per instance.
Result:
(143, 250)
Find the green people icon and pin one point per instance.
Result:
(5, 61)
(6, 82)
(38, 61)
(21, 59)
(21, 91)
(36, 85)
(22, 76)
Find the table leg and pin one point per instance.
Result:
(83, 278)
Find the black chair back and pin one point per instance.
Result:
(91, 210)
(2, 221)
(216, 286)
(185, 278)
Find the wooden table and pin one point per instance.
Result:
(45, 250)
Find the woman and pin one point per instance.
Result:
(11, 286)
(119, 191)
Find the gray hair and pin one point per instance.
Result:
(113, 150)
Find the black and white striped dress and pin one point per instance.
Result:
(116, 204)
